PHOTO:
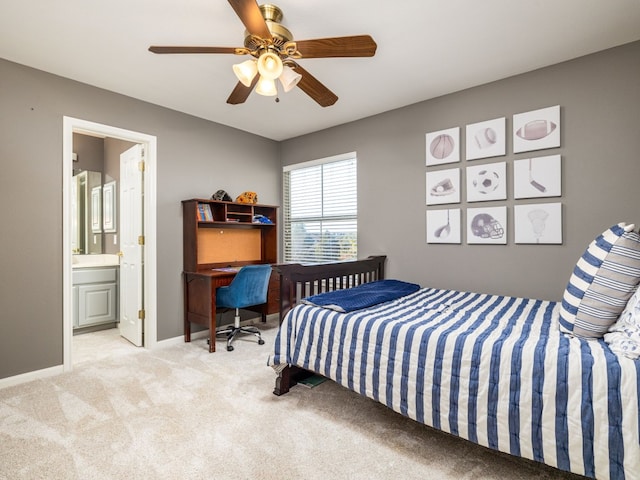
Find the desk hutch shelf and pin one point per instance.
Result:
(229, 237)
(217, 235)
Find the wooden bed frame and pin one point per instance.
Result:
(299, 281)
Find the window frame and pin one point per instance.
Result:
(289, 252)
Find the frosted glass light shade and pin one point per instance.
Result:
(245, 71)
(269, 65)
(289, 79)
(266, 87)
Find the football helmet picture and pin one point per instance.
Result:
(484, 225)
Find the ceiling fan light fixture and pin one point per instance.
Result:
(270, 65)
(289, 78)
(272, 47)
(246, 71)
(266, 87)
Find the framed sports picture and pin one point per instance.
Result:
(537, 177)
(536, 130)
(486, 139)
(443, 186)
(487, 182)
(487, 225)
(443, 146)
(443, 226)
(538, 223)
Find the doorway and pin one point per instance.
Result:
(148, 200)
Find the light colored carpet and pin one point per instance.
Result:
(179, 412)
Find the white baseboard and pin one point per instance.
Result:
(205, 333)
(180, 339)
(57, 370)
(30, 376)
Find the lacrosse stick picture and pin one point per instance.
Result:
(538, 220)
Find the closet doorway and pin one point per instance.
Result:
(143, 294)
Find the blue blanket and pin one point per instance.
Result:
(362, 296)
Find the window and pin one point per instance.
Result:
(321, 210)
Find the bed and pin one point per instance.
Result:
(496, 370)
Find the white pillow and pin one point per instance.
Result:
(624, 335)
(602, 281)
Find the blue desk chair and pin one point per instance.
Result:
(248, 288)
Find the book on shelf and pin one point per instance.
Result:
(204, 212)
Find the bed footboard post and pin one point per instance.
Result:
(283, 382)
(289, 377)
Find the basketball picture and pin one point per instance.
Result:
(443, 146)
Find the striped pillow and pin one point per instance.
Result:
(602, 282)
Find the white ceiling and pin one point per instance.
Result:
(426, 48)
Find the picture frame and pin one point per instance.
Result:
(109, 224)
(537, 177)
(443, 146)
(538, 223)
(537, 129)
(443, 186)
(487, 225)
(443, 226)
(486, 139)
(487, 182)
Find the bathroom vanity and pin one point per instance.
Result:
(95, 291)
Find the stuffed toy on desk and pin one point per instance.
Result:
(247, 197)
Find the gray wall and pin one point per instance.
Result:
(599, 97)
(194, 159)
(90, 153)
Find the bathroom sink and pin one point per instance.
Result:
(92, 261)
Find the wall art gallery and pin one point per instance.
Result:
(487, 180)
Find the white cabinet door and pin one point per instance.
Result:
(96, 304)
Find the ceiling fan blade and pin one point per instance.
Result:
(251, 17)
(312, 87)
(176, 49)
(240, 93)
(354, 46)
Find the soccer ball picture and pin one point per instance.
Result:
(486, 181)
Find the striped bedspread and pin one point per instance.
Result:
(492, 369)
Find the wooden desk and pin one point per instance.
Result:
(200, 300)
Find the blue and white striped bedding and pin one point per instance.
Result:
(492, 369)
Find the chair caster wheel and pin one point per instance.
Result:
(260, 342)
(229, 348)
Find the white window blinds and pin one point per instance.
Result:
(321, 211)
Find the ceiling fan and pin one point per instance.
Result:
(275, 52)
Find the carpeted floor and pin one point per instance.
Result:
(179, 412)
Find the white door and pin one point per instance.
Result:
(131, 245)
